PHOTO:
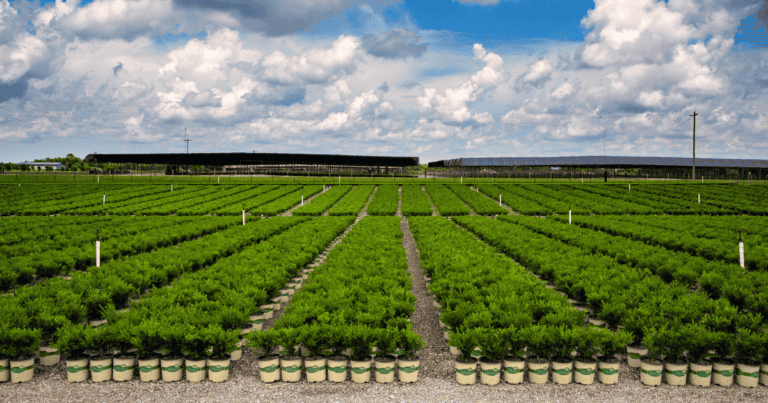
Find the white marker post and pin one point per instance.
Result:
(171, 187)
(462, 179)
(339, 179)
(582, 180)
(244, 214)
(741, 251)
(218, 179)
(569, 217)
(104, 199)
(98, 249)
(699, 198)
(97, 178)
(302, 200)
(630, 186)
(499, 200)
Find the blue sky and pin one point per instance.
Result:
(439, 79)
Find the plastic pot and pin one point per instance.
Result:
(763, 374)
(747, 376)
(384, 369)
(408, 369)
(608, 371)
(77, 369)
(171, 368)
(290, 369)
(5, 370)
(149, 369)
(650, 373)
(22, 369)
(101, 369)
(584, 371)
(514, 370)
(269, 368)
(257, 320)
(195, 370)
(722, 373)
(538, 371)
(466, 372)
(675, 374)
(218, 368)
(122, 368)
(700, 375)
(337, 368)
(266, 310)
(237, 353)
(635, 354)
(315, 369)
(361, 370)
(49, 356)
(562, 372)
(490, 372)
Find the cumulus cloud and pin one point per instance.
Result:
(409, 84)
(537, 74)
(395, 44)
(118, 18)
(316, 66)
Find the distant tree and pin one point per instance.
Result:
(24, 167)
(48, 168)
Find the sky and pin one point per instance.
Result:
(434, 79)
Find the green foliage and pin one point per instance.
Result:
(493, 344)
(20, 342)
(72, 340)
(615, 342)
(222, 341)
(700, 340)
(265, 342)
(101, 340)
(195, 343)
(724, 345)
(387, 340)
(465, 342)
(232, 319)
(589, 341)
(517, 340)
(410, 342)
(146, 338)
(542, 341)
(288, 337)
(314, 339)
(360, 340)
(750, 346)
(174, 335)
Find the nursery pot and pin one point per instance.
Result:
(22, 369)
(361, 370)
(650, 372)
(77, 369)
(466, 371)
(454, 350)
(700, 375)
(218, 368)
(49, 356)
(608, 371)
(257, 320)
(562, 372)
(538, 370)
(276, 303)
(408, 369)
(284, 295)
(290, 368)
(266, 310)
(195, 369)
(315, 369)
(514, 370)
(722, 373)
(635, 354)
(763, 374)
(337, 368)
(269, 368)
(747, 375)
(149, 369)
(171, 368)
(385, 368)
(5, 369)
(247, 328)
(237, 353)
(584, 371)
(490, 372)
(101, 369)
(122, 369)
(675, 373)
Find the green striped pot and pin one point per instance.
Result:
(384, 368)
(466, 372)
(218, 368)
(195, 370)
(562, 372)
(747, 376)
(764, 374)
(5, 370)
(675, 374)
(538, 372)
(490, 372)
(290, 369)
(722, 373)
(361, 370)
(49, 356)
(101, 369)
(584, 372)
(635, 354)
(22, 370)
(269, 369)
(237, 353)
(650, 373)
(171, 369)
(315, 369)
(608, 372)
(700, 374)
(77, 370)
(257, 320)
(267, 311)
(408, 369)
(149, 369)
(123, 368)
(514, 371)
(337, 369)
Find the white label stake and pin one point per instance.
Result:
(98, 253)
(569, 217)
(104, 199)
(462, 179)
(741, 254)
(243, 217)
(499, 200)
(699, 197)
(302, 200)
(171, 187)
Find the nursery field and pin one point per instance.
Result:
(371, 291)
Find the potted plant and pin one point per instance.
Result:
(588, 342)
(195, 346)
(223, 342)
(723, 367)
(48, 323)
(338, 364)
(408, 363)
(360, 340)
(234, 319)
(71, 340)
(173, 336)
(123, 364)
(633, 322)
(290, 360)
(541, 346)
(514, 361)
(651, 367)
(466, 364)
(700, 342)
(750, 347)
(674, 341)
(608, 363)
(562, 359)
(146, 339)
(493, 346)
(269, 363)
(21, 345)
(384, 362)
(102, 342)
(314, 341)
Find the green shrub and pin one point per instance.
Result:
(288, 337)
(222, 341)
(493, 344)
(21, 343)
(465, 342)
(146, 338)
(72, 340)
(360, 340)
(265, 342)
(750, 346)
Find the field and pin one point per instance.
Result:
(266, 282)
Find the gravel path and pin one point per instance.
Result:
(399, 202)
(471, 211)
(434, 210)
(502, 204)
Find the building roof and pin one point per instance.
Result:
(254, 159)
(601, 160)
(42, 164)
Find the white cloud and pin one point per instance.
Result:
(563, 91)
(118, 18)
(18, 57)
(316, 66)
(537, 74)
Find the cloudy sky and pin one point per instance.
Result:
(434, 79)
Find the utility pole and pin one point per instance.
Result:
(186, 139)
(694, 143)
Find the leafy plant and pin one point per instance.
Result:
(173, 336)
(750, 346)
(724, 345)
(146, 338)
(222, 341)
(465, 342)
(700, 341)
(232, 319)
(289, 337)
(101, 340)
(22, 343)
(386, 341)
(517, 340)
(313, 339)
(493, 345)
(360, 340)
(652, 340)
(266, 342)
(542, 341)
(195, 344)
(121, 329)
(71, 340)
(567, 341)
(410, 342)
(615, 342)
(589, 341)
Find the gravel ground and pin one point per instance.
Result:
(502, 204)
(436, 378)
(434, 209)
(471, 211)
(399, 202)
